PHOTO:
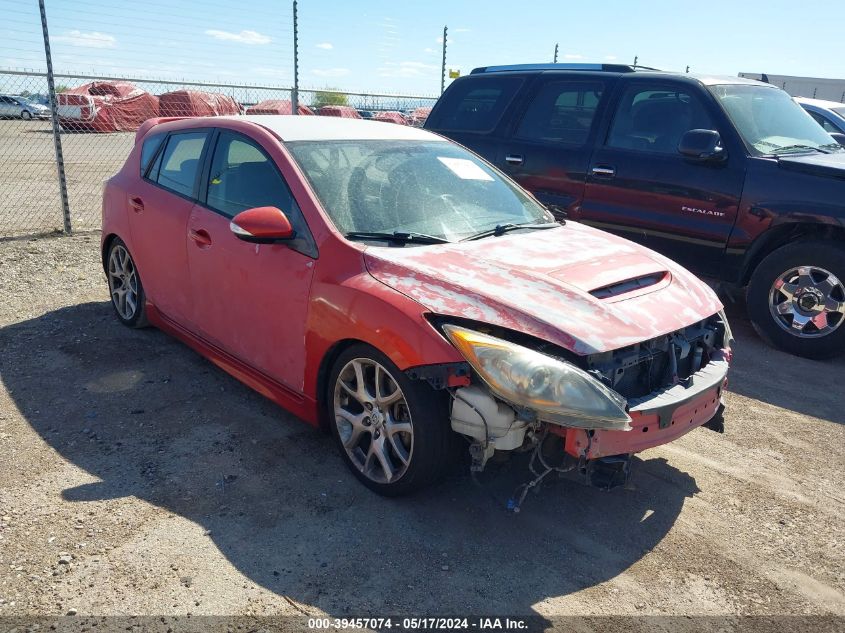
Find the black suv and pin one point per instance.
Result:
(728, 176)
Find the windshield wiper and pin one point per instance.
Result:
(501, 229)
(401, 237)
(794, 147)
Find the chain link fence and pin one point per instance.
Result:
(98, 118)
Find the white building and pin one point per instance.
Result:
(812, 87)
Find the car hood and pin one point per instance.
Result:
(827, 165)
(583, 289)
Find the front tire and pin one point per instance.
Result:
(25, 115)
(796, 299)
(125, 287)
(393, 432)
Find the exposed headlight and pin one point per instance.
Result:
(558, 391)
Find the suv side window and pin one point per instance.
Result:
(177, 167)
(653, 119)
(477, 105)
(243, 176)
(562, 112)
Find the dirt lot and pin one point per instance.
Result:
(135, 478)
(29, 189)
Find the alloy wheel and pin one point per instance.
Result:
(807, 301)
(123, 282)
(373, 420)
(25, 115)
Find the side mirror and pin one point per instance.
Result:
(702, 145)
(839, 137)
(262, 225)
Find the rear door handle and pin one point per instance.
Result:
(201, 237)
(605, 171)
(513, 159)
(136, 203)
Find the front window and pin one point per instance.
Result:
(769, 121)
(433, 188)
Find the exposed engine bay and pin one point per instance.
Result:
(658, 380)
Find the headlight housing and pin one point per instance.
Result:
(558, 391)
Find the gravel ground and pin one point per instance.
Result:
(29, 188)
(136, 478)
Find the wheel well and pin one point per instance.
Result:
(105, 250)
(326, 365)
(786, 234)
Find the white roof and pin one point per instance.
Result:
(820, 103)
(326, 128)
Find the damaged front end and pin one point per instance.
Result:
(589, 413)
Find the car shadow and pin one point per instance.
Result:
(761, 372)
(151, 419)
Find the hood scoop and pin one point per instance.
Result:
(628, 286)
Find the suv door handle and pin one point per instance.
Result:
(201, 237)
(513, 159)
(136, 203)
(606, 171)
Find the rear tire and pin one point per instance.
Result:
(125, 287)
(393, 432)
(796, 299)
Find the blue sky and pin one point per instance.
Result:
(394, 46)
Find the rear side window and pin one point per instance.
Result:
(476, 105)
(148, 150)
(561, 112)
(180, 162)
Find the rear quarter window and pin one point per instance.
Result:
(475, 105)
(148, 150)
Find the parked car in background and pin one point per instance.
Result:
(344, 112)
(727, 176)
(419, 115)
(829, 114)
(365, 114)
(22, 108)
(385, 282)
(391, 116)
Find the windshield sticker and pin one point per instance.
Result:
(465, 169)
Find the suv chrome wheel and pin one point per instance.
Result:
(123, 282)
(808, 302)
(373, 420)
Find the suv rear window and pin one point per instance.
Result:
(476, 105)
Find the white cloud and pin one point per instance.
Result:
(331, 72)
(573, 56)
(86, 39)
(326, 46)
(429, 50)
(405, 69)
(610, 57)
(244, 37)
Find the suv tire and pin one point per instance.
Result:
(796, 298)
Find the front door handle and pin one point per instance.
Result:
(201, 237)
(136, 203)
(605, 171)
(513, 159)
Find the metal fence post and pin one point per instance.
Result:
(57, 139)
(294, 100)
(443, 65)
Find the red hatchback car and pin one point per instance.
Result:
(389, 284)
